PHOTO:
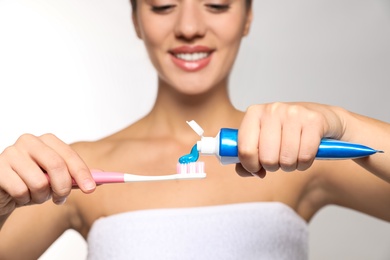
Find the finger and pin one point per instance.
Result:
(269, 142)
(13, 185)
(76, 167)
(310, 141)
(248, 139)
(7, 203)
(46, 158)
(261, 174)
(290, 144)
(27, 171)
(35, 180)
(241, 171)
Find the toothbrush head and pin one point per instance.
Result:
(193, 170)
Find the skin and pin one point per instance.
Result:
(277, 142)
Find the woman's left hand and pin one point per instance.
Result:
(284, 136)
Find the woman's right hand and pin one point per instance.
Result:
(23, 167)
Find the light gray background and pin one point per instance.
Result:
(76, 69)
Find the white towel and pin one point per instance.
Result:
(256, 230)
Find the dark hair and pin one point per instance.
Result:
(134, 4)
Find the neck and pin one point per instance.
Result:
(211, 110)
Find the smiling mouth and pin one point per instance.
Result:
(190, 57)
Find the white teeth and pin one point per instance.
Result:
(192, 56)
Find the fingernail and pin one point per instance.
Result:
(60, 201)
(89, 185)
(260, 174)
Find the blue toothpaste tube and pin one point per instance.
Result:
(224, 146)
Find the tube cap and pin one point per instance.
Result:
(194, 125)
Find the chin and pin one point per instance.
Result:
(195, 84)
(194, 89)
(193, 92)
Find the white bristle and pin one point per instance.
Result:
(200, 167)
(195, 167)
(191, 167)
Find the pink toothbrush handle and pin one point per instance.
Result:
(108, 177)
(102, 177)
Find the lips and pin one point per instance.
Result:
(191, 58)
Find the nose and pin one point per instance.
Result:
(190, 22)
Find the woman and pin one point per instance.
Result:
(224, 216)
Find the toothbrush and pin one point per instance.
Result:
(186, 171)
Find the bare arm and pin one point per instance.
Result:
(30, 230)
(287, 135)
(373, 133)
(362, 184)
(352, 187)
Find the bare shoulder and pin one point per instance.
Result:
(92, 150)
(96, 151)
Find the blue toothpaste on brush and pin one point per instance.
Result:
(224, 147)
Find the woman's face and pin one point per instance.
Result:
(192, 43)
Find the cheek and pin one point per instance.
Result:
(154, 30)
(229, 40)
(149, 33)
(230, 29)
